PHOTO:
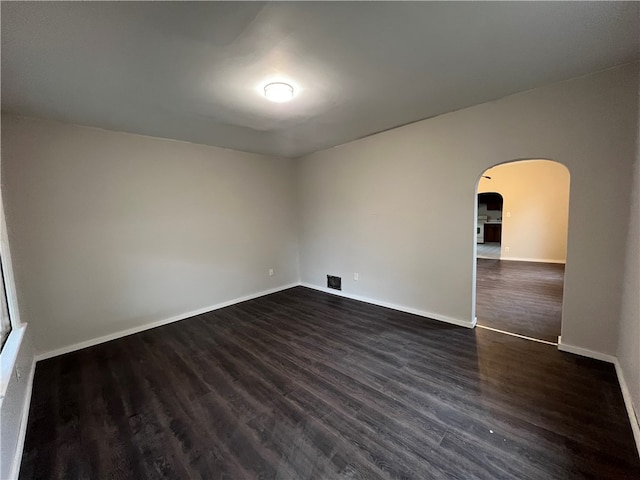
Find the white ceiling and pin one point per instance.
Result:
(193, 71)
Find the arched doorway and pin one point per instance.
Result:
(520, 289)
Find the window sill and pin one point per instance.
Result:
(9, 355)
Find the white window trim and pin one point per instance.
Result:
(9, 353)
(8, 357)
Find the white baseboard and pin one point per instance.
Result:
(628, 402)
(585, 352)
(17, 459)
(159, 323)
(535, 260)
(433, 316)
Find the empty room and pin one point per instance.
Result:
(276, 240)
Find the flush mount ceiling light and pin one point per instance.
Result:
(278, 92)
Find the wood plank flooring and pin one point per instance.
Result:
(305, 385)
(520, 297)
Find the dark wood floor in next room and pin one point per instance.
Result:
(305, 385)
(520, 297)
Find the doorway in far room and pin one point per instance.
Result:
(489, 227)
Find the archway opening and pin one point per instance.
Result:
(522, 212)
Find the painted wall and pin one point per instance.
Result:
(375, 206)
(629, 344)
(536, 194)
(111, 231)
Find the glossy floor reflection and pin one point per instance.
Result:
(520, 297)
(306, 385)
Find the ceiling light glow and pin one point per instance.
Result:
(278, 92)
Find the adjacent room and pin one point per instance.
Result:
(320, 240)
(522, 224)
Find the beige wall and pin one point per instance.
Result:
(112, 231)
(399, 207)
(536, 197)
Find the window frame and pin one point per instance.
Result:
(4, 309)
(13, 342)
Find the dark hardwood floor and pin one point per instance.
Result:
(306, 385)
(520, 297)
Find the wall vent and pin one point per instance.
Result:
(334, 282)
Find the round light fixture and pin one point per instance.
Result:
(278, 92)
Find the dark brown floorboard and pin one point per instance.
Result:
(520, 297)
(305, 385)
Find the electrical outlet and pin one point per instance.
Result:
(355, 277)
(508, 214)
(271, 272)
(506, 249)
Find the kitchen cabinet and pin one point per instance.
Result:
(493, 232)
